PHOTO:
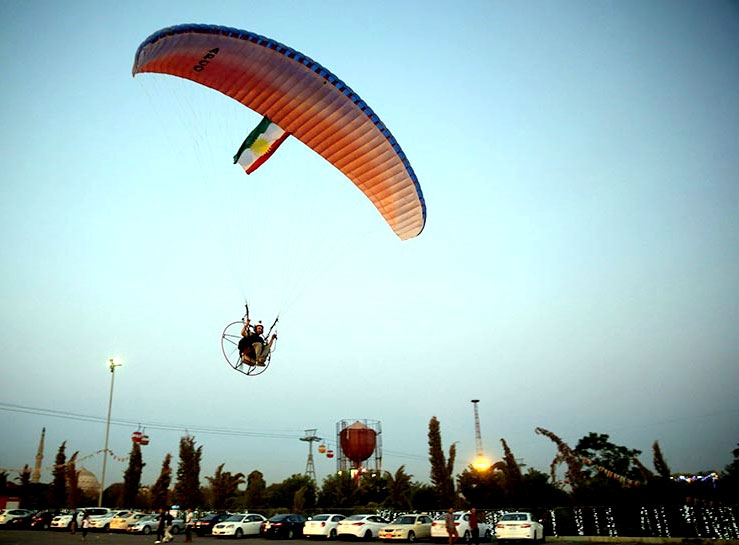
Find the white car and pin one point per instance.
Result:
(102, 522)
(120, 523)
(519, 525)
(324, 525)
(9, 514)
(148, 524)
(361, 526)
(462, 522)
(239, 525)
(63, 522)
(407, 527)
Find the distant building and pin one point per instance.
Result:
(88, 483)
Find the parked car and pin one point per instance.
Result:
(519, 525)
(239, 525)
(462, 522)
(408, 527)
(323, 525)
(148, 524)
(9, 514)
(42, 519)
(101, 523)
(20, 522)
(63, 520)
(365, 526)
(120, 522)
(289, 526)
(204, 526)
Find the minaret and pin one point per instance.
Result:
(36, 475)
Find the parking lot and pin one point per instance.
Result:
(30, 537)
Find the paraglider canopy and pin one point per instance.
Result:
(304, 99)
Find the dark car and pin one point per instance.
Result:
(204, 526)
(42, 519)
(21, 522)
(289, 526)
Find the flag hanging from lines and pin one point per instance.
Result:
(260, 145)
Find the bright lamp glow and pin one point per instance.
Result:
(481, 463)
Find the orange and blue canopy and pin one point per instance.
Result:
(304, 99)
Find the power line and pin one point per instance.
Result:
(206, 430)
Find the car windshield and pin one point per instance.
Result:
(515, 516)
(234, 518)
(405, 520)
(320, 517)
(356, 517)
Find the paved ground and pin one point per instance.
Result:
(29, 537)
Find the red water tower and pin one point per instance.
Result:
(360, 445)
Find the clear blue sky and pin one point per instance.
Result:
(579, 270)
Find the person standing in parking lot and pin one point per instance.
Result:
(474, 527)
(188, 526)
(162, 520)
(451, 528)
(85, 525)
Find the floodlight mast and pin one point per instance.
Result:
(478, 435)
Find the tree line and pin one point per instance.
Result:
(595, 472)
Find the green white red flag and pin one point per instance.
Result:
(260, 145)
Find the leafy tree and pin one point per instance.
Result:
(660, 465)
(511, 474)
(399, 490)
(24, 479)
(74, 493)
(338, 491)
(224, 487)
(729, 482)
(58, 490)
(187, 488)
(282, 495)
(441, 469)
(537, 490)
(160, 490)
(372, 489)
(256, 488)
(423, 497)
(602, 453)
(483, 488)
(132, 477)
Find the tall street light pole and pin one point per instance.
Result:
(112, 364)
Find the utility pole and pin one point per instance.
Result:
(310, 438)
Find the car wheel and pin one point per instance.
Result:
(174, 530)
(368, 535)
(467, 536)
(332, 533)
(239, 533)
(146, 530)
(290, 533)
(488, 536)
(411, 537)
